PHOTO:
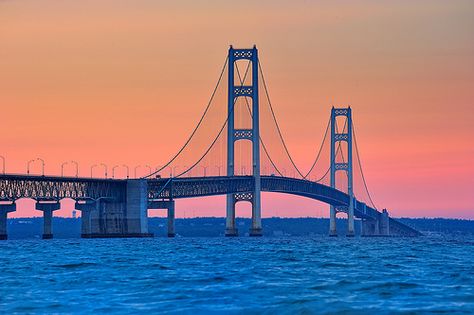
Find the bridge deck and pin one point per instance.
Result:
(13, 187)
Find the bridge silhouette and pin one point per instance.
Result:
(118, 207)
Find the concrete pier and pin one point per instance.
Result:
(332, 221)
(137, 208)
(171, 217)
(86, 207)
(230, 229)
(5, 208)
(384, 223)
(169, 205)
(350, 218)
(379, 227)
(48, 207)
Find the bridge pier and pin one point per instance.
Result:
(256, 228)
(136, 211)
(230, 229)
(376, 227)
(47, 207)
(384, 223)
(169, 205)
(350, 218)
(171, 216)
(332, 221)
(5, 208)
(86, 207)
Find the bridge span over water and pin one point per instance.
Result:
(118, 207)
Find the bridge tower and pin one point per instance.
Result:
(337, 137)
(234, 135)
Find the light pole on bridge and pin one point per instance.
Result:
(31, 161)
(113, 170)
(3, 163)
(173, 173)
(62, 167)
(138, 166)
(204, 168)
(42, 165)
(128, 170)
(92, 168)
(101, 164)
(105, 168)
(77, 167)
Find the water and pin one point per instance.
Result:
(238, 275)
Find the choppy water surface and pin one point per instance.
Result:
(241, 275)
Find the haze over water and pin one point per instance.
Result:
(242, 275)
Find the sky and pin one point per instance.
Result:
(124, 82)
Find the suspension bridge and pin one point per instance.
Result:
(236, 149)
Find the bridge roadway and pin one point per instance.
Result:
(55, 188)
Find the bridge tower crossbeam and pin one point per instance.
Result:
(253, 135)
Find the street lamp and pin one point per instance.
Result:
(174, 170)
(149, 168)
(42, 165)
(3, 163)
(113, 170)
(77, 167)
(186, 171)
(31, 161)
(105, 168)
(62, 168)
(28, 166)
(204, 168)
(128, 170)
(92, 167)
(135, 171)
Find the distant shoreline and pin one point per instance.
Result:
(31, 227)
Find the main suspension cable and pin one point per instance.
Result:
(251, 116)
(320, 150)
(361, 169)
(276, 122)
(198, 124)
(231, 112)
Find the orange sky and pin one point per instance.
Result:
(125, 81)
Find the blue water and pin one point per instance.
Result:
(238, 275)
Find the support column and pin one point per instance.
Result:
(350, 188)
(350, 219)
(233, 135)
(86, 208)
(256, 228)
(367, 227)
(332, 221)
(377, 227)
(338, 136)
(171, 217)
(230, 229)
(137, 208)
(48, 208)
(384, 223)
(5, 208)
(332, 177)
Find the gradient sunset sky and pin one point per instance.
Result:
(103, 81)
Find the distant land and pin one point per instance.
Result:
(30, 228)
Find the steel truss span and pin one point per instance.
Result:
(13, 187)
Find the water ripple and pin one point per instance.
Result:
(241, 275)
